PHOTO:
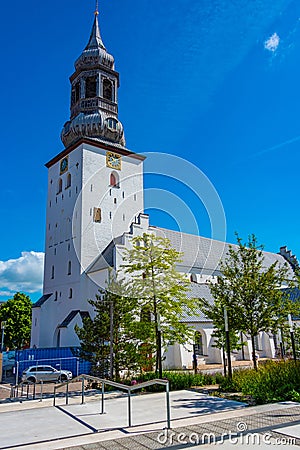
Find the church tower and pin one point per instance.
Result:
(95, 192)
(94, 95)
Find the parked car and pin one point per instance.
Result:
(36, 374)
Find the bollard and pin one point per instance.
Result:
(168, 406)
(33, 391)
(67, 393)
(41, 399)
(82, 392)
(102, 397)
(129, 407)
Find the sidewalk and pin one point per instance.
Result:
(196, 418)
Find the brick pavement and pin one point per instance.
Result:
(261, 423)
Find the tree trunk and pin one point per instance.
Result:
(253, 352)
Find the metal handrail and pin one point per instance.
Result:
(14, 390)
(121, 386)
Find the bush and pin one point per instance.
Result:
(274, 381)
(180, 380)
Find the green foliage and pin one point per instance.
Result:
(131, 336)
(180, 380)
(250, 292)
(273, 381)
(159, 288)
(16, 312)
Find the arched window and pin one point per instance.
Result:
(52, 272)
(69, 268)
(114, 180)
(70, 293)
(58, 339)
(107, 89)
(198, 345)
(90, 87)
(75, 93)
(59, 186)
(69, 179)
(112, 123)
(55, 296)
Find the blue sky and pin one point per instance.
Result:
(215, 82)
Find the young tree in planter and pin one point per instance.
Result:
(161, 291)
(16, 312)
(215, 312)
(250, 291)
(116, 321)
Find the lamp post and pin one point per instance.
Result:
(2, 338)
(159, 355)
(227, 343)
(111, 340)
(292, 336)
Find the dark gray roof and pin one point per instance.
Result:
(102, 140)
(106, 258)
(203, 255)
(41, 300)
(66, 322)
(198, 291)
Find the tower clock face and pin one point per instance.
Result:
(113, 160)
(64, 164)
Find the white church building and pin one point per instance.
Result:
(95, 206)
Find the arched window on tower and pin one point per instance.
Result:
(69, 180)
(107, 89)
(91, 87)
(69, 268)
(59, 186)
(70, 293)
(75, 93)
(114, 180)
(52, 272)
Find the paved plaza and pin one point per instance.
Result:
(196, 419)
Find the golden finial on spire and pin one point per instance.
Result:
(97, 9)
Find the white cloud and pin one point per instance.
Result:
(272, 42)
(5, 293)
(22, 274)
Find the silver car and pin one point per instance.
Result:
(36, 374)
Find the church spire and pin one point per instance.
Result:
(95, 37)
(94, 95)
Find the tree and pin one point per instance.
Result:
(251, 292)
(215, 312)
(117, 323)
(16, 312)
(160, 290)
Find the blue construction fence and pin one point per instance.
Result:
(61, 358)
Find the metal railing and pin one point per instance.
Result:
(121, 386)
(23, 389)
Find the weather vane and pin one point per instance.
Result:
(97, 8)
